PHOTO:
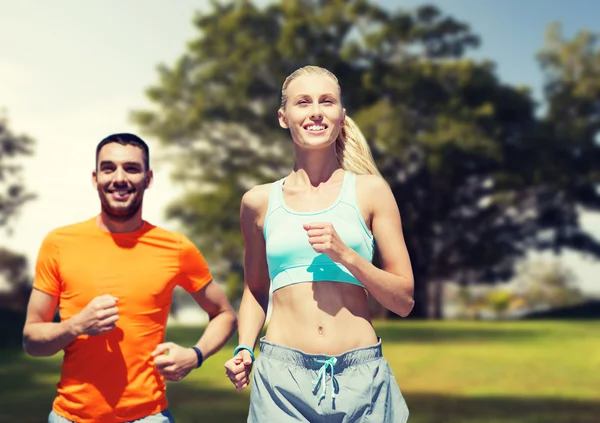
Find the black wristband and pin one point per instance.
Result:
(199, 354)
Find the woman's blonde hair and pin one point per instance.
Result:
(353, 152)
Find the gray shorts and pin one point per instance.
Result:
(356, 386)
(162, 417)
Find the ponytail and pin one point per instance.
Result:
(353, 152)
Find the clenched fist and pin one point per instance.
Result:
(174, 362)
(238, 369)
(98, 317)
(324, 239)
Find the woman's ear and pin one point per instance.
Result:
(282, 120)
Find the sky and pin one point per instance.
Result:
(72, 71)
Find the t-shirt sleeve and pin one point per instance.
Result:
(194, 273)
(47, 276)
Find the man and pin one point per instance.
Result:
(112, 278)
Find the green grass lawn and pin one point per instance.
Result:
(449, 372)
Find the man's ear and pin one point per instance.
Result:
(149, 178)
(282, 119)
(95, 179)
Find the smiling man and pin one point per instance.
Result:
(111, 278)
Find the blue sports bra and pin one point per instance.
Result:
(291, 258)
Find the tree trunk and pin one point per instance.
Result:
(436, 300)
(421, 295)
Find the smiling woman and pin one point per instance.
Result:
(309, 238)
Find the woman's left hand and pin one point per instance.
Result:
(324, 239)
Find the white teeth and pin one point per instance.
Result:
(316, 128)
(122, 192)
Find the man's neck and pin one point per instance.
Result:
(105, 223)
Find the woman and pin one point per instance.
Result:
(312, 234)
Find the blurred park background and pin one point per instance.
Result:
(483, 116)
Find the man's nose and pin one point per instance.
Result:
(120, 176)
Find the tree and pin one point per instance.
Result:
(568, 145)
(12, 190)
(13, 269)
(12, 197)
(444, 130)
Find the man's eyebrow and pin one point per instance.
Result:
(128, 163)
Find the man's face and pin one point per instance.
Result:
(121, 179)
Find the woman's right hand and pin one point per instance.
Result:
(238, 369)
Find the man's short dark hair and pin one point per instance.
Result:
(126, 139)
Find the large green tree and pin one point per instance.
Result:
(12, 189)
(567, 148)
(444, 130)
(12, 197)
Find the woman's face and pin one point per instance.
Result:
(313, 113)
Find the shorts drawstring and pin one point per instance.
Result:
(329, 363)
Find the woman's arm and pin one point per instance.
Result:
(393, 284)
(255, 299)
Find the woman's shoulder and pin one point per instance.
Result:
(374, 193)
(372, 183)
(257, 197)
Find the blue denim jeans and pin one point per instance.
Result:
(164, 416)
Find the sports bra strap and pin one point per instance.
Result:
(349, 194)
(274, 197)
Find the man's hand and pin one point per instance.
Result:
(238, 369)
(174, 362)
(97, 318)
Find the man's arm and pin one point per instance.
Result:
(42, 337)
(175, 362)
(222, 319)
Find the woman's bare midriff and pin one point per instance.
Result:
(321, 318)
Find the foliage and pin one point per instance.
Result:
(13, 196)
(12, 190)
(478, 178)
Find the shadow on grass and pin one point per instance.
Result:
(192, 404)
(429, 408)
(27, 388)
(189, 402)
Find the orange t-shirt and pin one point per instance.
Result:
(111, 377)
